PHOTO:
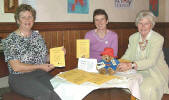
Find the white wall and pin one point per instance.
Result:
(56, 11)
(5, 17)
(166, 10)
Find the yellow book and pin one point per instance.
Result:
(57, 57)
(82, 48)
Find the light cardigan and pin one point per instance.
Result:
(153, 67)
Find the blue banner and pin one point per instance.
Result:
(78, 6)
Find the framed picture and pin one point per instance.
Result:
(10, 6)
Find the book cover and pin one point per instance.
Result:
(57, 57)
(82, 48)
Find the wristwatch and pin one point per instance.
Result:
(133, 65)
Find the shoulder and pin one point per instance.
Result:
(134, 36)
(11, 37)
(11, 40)
(112, 33)
(156, 37)
(90, 33)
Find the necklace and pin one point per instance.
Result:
(143, 45)
(24, 35)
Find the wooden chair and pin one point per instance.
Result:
(166, 54)
(14, 96)
(165, 97)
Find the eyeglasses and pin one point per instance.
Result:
(26, 18)
(144, 24)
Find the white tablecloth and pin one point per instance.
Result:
(70, 91)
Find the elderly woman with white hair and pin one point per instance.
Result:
(146, 56)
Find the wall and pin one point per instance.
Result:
(56, 11)
(166, 10)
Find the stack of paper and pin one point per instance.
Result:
(79, 76)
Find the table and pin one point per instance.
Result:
(127, 80)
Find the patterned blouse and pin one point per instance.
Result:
(30, 50)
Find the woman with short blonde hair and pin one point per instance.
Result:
(26, 54)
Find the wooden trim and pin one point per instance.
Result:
(55, 26)
(59, 26)
(7, 27)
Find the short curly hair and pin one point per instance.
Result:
(24, 7)
(145, 14)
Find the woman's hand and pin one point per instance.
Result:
(48, 56)
(64, 50)
(123, 67)
(46, 67)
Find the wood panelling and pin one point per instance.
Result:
(3, 69)
(66, 33)
(166, 35)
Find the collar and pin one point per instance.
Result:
(147, 37)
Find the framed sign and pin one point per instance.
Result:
(154, 6)
(10, 6)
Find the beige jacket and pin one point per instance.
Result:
(153, 67)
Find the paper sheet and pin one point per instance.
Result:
(82, 48)
(76, 76)
(100, 79)
(88, 65)
(64, 88)
(79, 76)
(57, 57)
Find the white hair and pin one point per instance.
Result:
(145, 14)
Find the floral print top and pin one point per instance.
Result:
(29, 50)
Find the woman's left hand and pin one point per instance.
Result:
(64, 50)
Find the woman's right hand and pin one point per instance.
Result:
(123, 67)
(46, 67)
(64, 50)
